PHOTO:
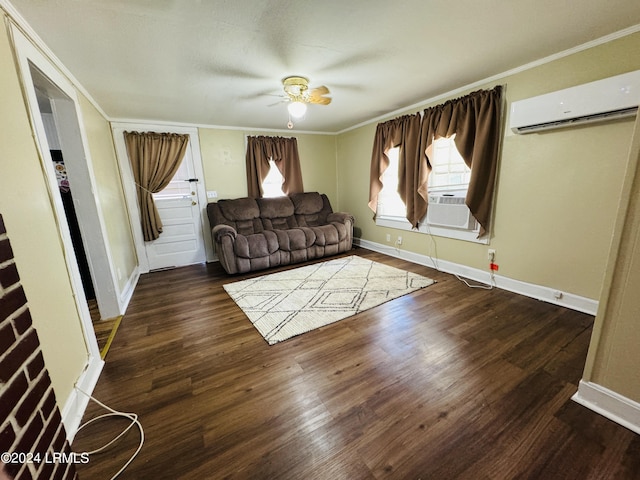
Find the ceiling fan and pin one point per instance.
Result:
(299, 94)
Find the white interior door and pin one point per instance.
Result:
(181, 241)
(185, 225)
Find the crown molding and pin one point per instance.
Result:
(500, 76)
(18, 20)
(21, 23)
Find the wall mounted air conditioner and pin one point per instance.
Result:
(612, 97)
(448, 210)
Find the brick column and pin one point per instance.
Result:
(31, 427)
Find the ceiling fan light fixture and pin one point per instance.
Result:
(297, 109)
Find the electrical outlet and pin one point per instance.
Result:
(491, 254)
(399, 242)
(388, 237)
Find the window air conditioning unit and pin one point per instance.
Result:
(613, 97)
(449, 210)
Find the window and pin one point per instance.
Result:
(476, 121)
(276, 157)
(179, 185)
(272, 184)
(389, 202)
(449, 172)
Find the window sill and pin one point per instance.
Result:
(403, 224)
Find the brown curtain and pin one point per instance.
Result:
(284, 152)
(403, 132)
(476, 121)
(155, 158)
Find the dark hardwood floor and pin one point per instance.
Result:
(445, 383)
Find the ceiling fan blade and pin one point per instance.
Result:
(321, 90)
(316, 95)
(278, 102)
(320, 100)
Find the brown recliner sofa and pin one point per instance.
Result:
(254, 234)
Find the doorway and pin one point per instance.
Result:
(53, 100)
(181, 242)
(186, 238)
(64, 187)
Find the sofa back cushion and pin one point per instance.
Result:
(311, 208)
(277, 213)
(242, 214)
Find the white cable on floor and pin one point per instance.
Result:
(484, 286)
(434, 260)
(114, 413)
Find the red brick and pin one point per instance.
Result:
(35, 366)
(59, 443)
(30, 435)
(22, 322)
(25, 475)
(49, 404)
(30, 402)
(12, 394)
(70, 474)
(47, 471)
(47, 438)
(9, 275)
(7, 338)
(64, 470)
(11, 302)
(6, 253)
(18, 356)
(7, 437)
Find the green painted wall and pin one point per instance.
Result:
(31, 224)
(557, 192)
(109, 192)
(223, 158)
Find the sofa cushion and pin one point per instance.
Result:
(239, 209)
(257, 245)
(295, 239)
(307, 203)
(312, 209)
(277, 213)
(326, 235)
(275, 207)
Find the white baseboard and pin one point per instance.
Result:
(77, 402)
(125, 296)
(539, 292)
(609, 404)
(601, 400)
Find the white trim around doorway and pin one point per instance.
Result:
(128, 182)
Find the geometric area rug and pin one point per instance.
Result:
(285, 304)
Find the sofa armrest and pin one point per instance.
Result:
(340, 217)
(220, 231)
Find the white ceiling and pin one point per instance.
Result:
(221, 62)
